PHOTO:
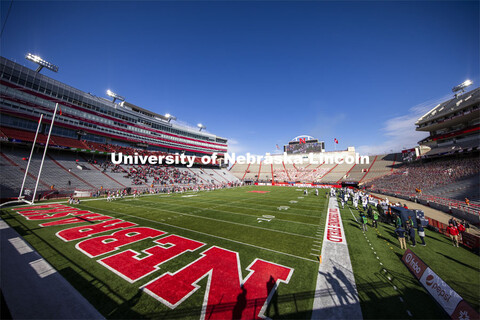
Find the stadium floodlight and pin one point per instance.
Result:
(41, 63)
(462, 86)
(114, 96)
(201, 126)
(170, 117)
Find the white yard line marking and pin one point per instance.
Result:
(3, 225)
(225, 221)
(207, 234)
(21, 246)
(213, 208)
(352, 214)
(42, 268)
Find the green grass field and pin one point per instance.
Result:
(256, 226)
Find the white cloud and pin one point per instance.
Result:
(234, 146)
(400, 131)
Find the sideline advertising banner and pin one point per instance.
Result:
(446, 297)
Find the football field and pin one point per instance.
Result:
(230, 253)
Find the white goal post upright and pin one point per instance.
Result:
(44, 152)
(30, 158)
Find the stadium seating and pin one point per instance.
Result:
(25, 136)
(431, 177)
(67, 172)
(68, 142)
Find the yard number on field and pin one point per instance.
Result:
(265, 217)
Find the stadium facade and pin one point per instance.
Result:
(454, 126)
(92, 121)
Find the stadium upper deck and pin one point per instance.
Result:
(25, 94)
(453, 125)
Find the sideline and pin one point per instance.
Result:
(32, 288)
(335, 273)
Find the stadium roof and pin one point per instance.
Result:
(451, 106)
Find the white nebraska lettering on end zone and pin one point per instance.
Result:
(336, 293)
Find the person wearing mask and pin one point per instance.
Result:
(401, 237)
(375, 219)
(453, 233)
(421, 233)
(461, 230)
(411, 233)
(364, 221)
(452, 221)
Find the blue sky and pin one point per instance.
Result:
(261, 73)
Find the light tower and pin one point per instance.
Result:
(41, 63)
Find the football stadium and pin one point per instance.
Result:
(111, 209)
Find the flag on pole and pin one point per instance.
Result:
(278, 148)
(336, 141)
(59, 110)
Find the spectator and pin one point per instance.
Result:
(453, 221)
(466, 225)
(364, 222)
(411, 233)
(375, 219)
(421, 233)
(410, 221)
(401, 237)
(467, 201)
(453, 233)
(461, 230)
(398, 222)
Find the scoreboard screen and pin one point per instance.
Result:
(298, 147)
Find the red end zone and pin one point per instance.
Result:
(258, 191)
(220, 266)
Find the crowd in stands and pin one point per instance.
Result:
(156, 175)
(419, 177)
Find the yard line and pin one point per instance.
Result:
(206, 234)
(273, 201)
(242, 214)
(352, 213)
(296, 214)
(236, 223)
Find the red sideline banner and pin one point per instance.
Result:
(449, 300)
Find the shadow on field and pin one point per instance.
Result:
(393, 242)
(457, 261)
(236, 309)
(356, 225)
(100, 294)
